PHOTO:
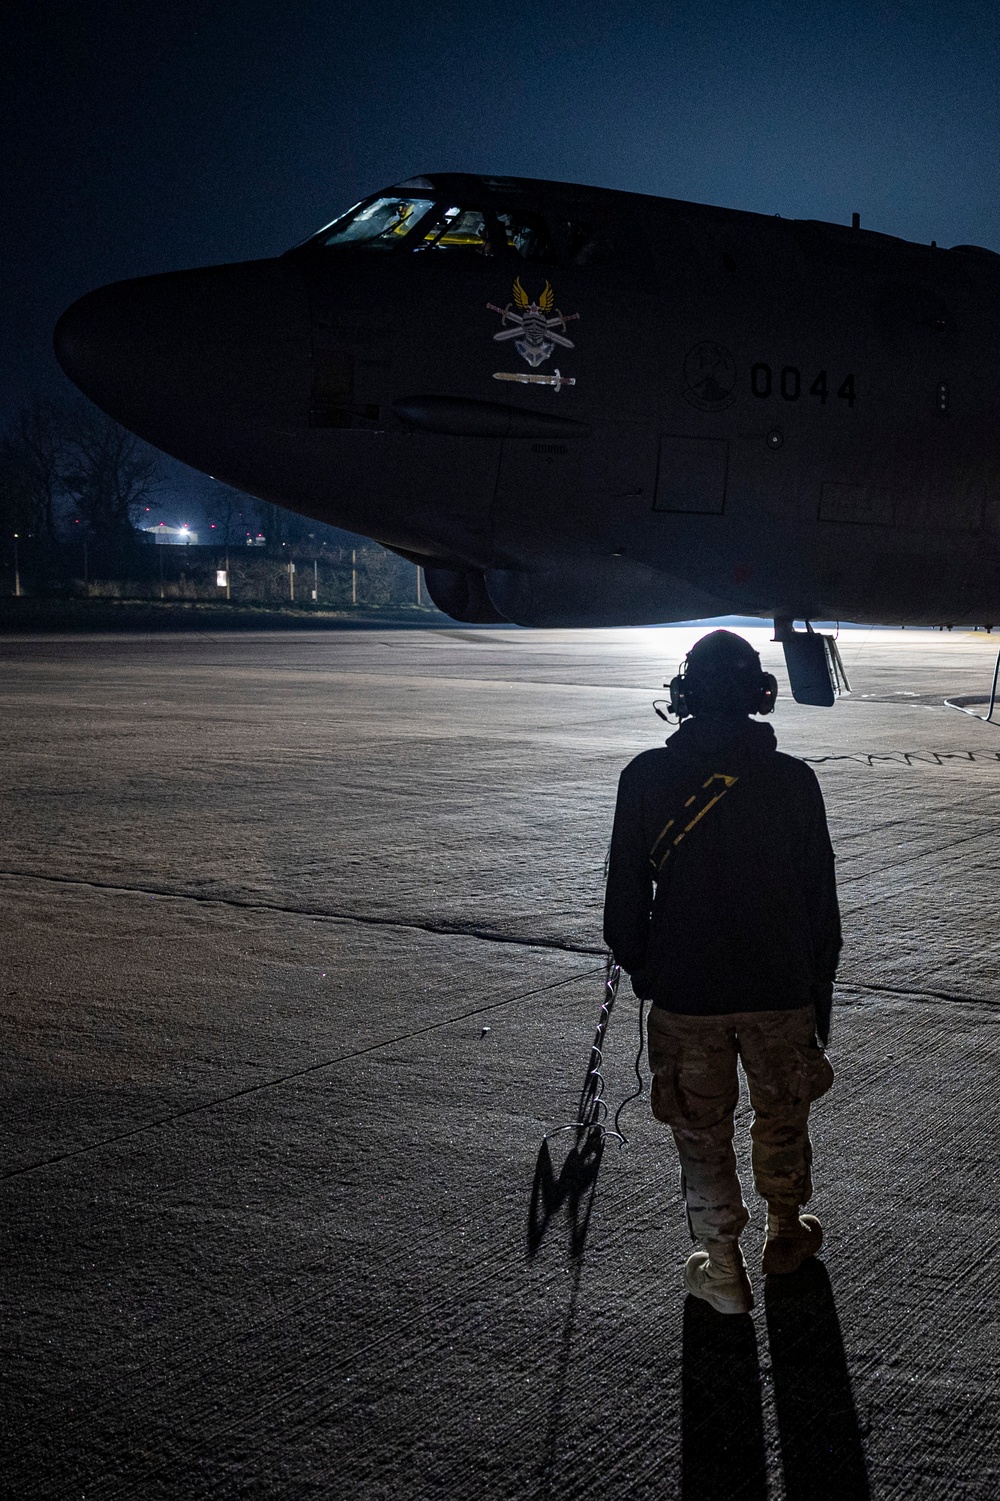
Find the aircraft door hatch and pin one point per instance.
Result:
(692, 475)
(598, 487)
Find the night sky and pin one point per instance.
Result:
(140, 138)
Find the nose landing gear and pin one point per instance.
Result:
(815, 667)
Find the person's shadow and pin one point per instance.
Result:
(722, 1428)
(821, 1447)
(722, 1419)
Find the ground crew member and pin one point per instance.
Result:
(722, 907)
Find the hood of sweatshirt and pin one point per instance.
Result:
(730, 742)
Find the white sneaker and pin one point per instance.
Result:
(719, 1276)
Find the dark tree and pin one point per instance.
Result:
(16, 511)
(110, 475)
(32, 463)
(232, 513)
(284, 529)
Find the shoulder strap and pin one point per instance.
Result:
(691, 811)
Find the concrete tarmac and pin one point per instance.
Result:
(301, 956)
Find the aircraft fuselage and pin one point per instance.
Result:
(588, 407)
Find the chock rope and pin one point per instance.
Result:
(592, 1111)
(962, 703)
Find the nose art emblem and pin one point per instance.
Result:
(536, 329)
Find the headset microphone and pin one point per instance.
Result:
(678, 706)
(675, 708)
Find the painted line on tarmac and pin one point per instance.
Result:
(319, 914)
(298, 1073)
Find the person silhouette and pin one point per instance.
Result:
(721, 905)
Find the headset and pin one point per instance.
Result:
(679, 708)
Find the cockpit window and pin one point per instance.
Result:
(526, 236)
(581, 243)
(418, 223)
(457, 229)
(379, 225)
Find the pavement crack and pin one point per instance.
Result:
(291, 1076)
(891, 867)
(911, 990)
(320, 914)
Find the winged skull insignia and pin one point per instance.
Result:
(533, 324)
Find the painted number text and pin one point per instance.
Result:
(789, 383)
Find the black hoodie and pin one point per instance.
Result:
(744, 916)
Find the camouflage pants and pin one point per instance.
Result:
(696, 1089)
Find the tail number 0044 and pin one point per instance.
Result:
(790, 384)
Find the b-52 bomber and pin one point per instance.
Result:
(580, 407)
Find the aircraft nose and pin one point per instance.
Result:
(227, 339)
(89, 339)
